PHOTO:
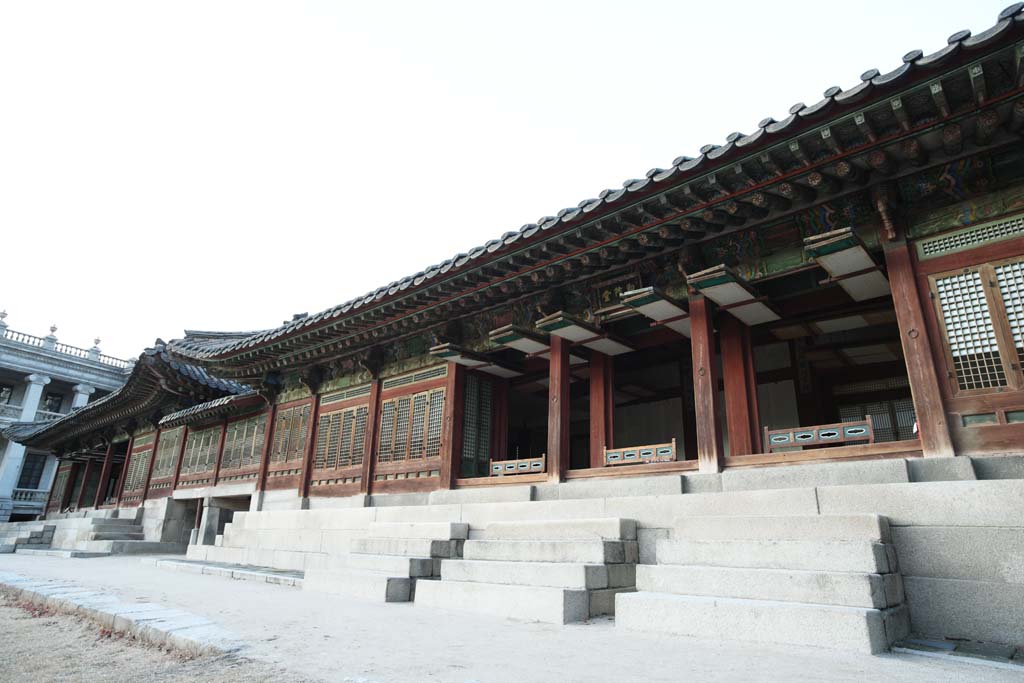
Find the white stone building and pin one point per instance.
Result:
(41, 379)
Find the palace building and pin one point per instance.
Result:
(832, 302)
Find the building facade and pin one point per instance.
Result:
(42, 380)
(844, 285)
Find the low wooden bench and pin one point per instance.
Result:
(506, 468)
(639, 455)
(820, 435)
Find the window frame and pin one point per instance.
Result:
(407, 456)
(1008, 356)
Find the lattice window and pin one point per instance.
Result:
(410, 426)
(135, 478)
(970, 333)
(243, 443)
(200, 450)
(476, 426)
(290, 432)
(971, 237)
(1010, 277)
(435, 372)
(341, 437)
(59, 485)
(167, 452)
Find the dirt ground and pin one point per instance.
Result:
(90, 654)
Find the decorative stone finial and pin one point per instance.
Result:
(96, 341)
(53, 329)
(3, 325)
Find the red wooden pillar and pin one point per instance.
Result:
(220, 451)
(602, 406)
(181, 458)
(499, 434)
(558, 409)
(917, 352)
(307, 462)
(705, 386)
(124, 471)
(451, 437)
(151, 465)
(741, 409)
(80, 503)
(268, 441)
(370, 443)
(101, 488)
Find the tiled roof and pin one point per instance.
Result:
(139, 392)
(873, 85)
(218, 406)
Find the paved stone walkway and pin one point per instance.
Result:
(334, 638)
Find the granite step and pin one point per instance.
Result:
(407, 547)
(558, 530)
(860, 527)
(361, 583)
(814, 555)
(581, 552)
(762, 621)
(567, 575)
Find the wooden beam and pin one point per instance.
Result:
(559, 379)
(917, 351)
(601, 406)
(705, 385)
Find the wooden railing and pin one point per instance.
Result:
(859, 431)
(506, 468)
(639, 455)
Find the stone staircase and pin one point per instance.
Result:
(551, 571)
(15, 535)
(390, 561)
(825, 581)
(99, 536)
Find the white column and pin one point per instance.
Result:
(14, 454)
(82, 394)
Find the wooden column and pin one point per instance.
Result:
(307, 462)
(101, 488)
(152, 464)
(69, 488)
(119, 490)
(705, 386)
(602, 406)
(499, 433)
(741, 410)
(80, 503)
(370, 442)
(181, 458)
(268, 443)
(689, 415)
(220, 451)
(558, 409)
(917, 352)
(451, 436)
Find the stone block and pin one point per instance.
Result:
(615, 487)
(393, 565)
(423, 513)
(648, 542)
(399, 499)
(559, 530)
(850, 589)
(481, 494)
(999, 467)
(975, 553)
(339, 541)
(785, 527)
(816, 474)
(361, 584)
(972, 610)
(586, 552)
(407, 547)
(431, 530)
(529, 603)
(333, 503)
(702, 483)
(550, 574)
(940, 469)
(839, 556)
(948, 503)
(661, 511)
(480, 515)
(755, 621)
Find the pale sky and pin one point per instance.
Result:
(223, 165)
